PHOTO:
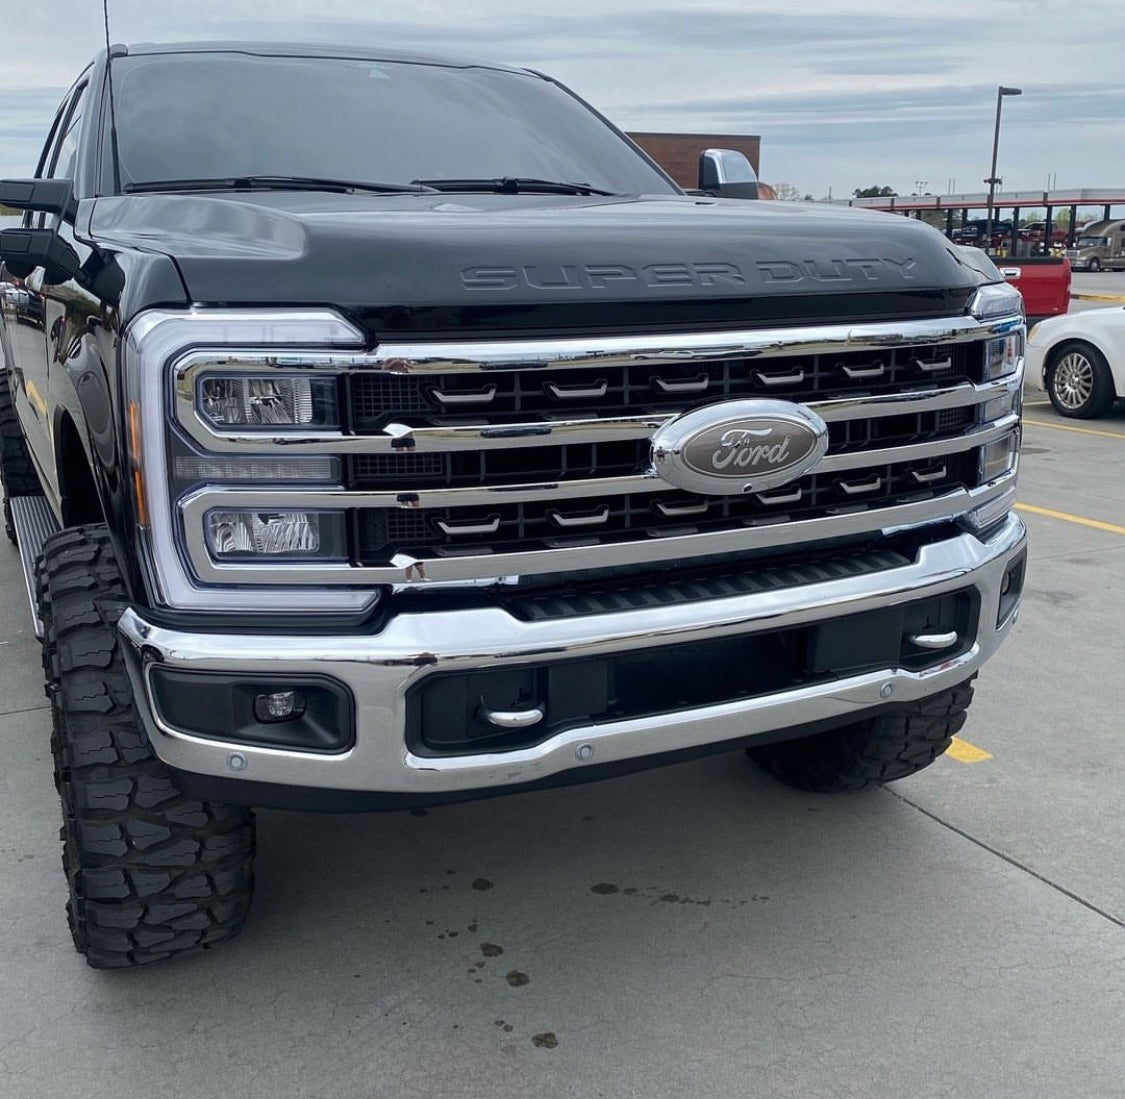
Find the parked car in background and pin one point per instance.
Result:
(1044, 282)
(1081, 359)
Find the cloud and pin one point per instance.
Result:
(843, 92)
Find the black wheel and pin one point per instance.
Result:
(881, 749)
(151, 873)
(1078, 381)
(1094, 264)
(17, 474)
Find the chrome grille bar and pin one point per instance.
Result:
(397, 437)
(415, 569)
(586, 488)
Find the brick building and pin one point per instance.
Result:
(678, 154)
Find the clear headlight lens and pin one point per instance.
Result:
(235, 535)
(998, 458)
(996, 300)
(267, 402)
(1002, 356)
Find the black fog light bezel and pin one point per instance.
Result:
(1011, 589)
(221, 706)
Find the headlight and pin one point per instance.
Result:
(1002, 356)
(996, 300)
(245, 535)
(241, 401)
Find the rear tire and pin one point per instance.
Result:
(1079, 382)
(17, 474)
(880, 749)
(151, 873)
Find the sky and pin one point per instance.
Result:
(844, 93)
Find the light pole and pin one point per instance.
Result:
(992, 180)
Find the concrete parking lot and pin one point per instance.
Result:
(696, 931)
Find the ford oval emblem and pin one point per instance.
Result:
(739, 446)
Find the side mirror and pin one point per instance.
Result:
(43, 196)
(727, 173)
(22, 250)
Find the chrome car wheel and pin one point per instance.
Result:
(1079, 382)
(1074, 380)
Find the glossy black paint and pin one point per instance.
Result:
(441, 265)
(502, 255)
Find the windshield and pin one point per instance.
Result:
(1092, 242)
(215, 115)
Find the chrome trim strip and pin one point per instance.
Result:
(918, 452)
(380, 668)
(418, 571)
(297, 498)
(448, 400)
(397, 438)
(601, 351)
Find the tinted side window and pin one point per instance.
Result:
(62, 164)
(46, 157)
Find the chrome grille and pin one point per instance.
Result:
(533, 394)
(534, 525)
(468, 462)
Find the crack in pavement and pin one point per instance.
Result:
(1010, 860)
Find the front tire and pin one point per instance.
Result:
(880, 749)
(151, 873)
(1094, 264)
(1079, 382)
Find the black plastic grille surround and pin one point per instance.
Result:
(535, 393)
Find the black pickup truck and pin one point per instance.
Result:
(383, 430)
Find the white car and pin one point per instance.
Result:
(1081, 359)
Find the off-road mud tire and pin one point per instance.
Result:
(151, 873)
(17, 474)
(881, 749)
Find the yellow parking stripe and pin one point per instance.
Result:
(1077, 430)
(964, 752)
(1081, 520)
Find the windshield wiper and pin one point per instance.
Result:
(513, 185)
(274, 183)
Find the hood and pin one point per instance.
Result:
(447, 257)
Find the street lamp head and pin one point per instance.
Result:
(1011, 91)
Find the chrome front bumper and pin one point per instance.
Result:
(379, 668)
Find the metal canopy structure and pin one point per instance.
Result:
(979, 200)
(953, 205)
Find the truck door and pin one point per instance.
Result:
(30, 381)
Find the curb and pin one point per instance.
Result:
(1099, 297)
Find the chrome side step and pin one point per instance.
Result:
(35, 523)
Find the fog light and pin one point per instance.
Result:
(279, 706)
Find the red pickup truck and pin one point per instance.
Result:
(1044, 282)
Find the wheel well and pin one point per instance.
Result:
(81, 502)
